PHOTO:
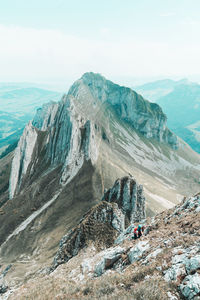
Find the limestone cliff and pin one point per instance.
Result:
(22, 158)
(143, 115)
(69, 140)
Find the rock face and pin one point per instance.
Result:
(106, 220)
(144, 116)
(22, 158)
(109, 258)
(67, 139)
(99, 225)
(129, 197)
(191, 286)
(136, 252)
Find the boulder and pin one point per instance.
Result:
(110, 256)
(136, 252)
(176, 271)
(190, 286)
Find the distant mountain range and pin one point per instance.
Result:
(18, 103)
(180, 101)
(25, 101)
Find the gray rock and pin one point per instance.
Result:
(126, 234)
(129, 229)
(153, 255)
(136, 252)
(66, 135)
(129, 197)
(174, 272)
(197, 209)
(109, 258)
(120, 239)
(3, 288)
(182, 265)
(190, 286)
(192, 264)
(171, 296)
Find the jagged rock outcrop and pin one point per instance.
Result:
(45, 116)
(68, 140)
(22, 158)
(120, 205)
(129, 197)
(100, 225)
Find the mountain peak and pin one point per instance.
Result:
(92, 75)
(148, 118)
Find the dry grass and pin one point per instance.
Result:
(137, 282)
(128, 285)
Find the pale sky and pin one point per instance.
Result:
(125, 40)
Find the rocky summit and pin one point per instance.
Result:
(86, 171)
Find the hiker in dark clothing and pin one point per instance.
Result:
(139, 230)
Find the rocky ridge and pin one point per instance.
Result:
(106, 220)
(129, 197)
(164, 263)
(169, 251)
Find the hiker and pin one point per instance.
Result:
(139, 230)
(135, 233)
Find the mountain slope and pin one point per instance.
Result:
(180, 101)
(163, 264)
(18, 104)
(75, 149)
(24, 101)
(11, 128)
(184, 99)
(160, 88)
